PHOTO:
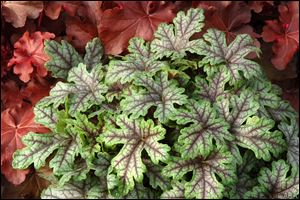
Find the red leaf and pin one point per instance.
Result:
(293, 97)
(36, 89)
(131, 19)
(15, 176)
(230, 17)
(31, 188)
(257, 6)
(79, 33)
(15, 123)
(29, 52)
(284, 33)
(16, 12)
(10, 95)
(54, 8)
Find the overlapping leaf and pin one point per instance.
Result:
(91, 188)
(276, 183)
(217, 52)
(40, 146)
(216, 86)
(161, 92)
(136, 135)
(204, 184)
(244, 180)
(156, 178)
(64, 57)
(174, 40)
(139, 61)
(177, 191)
(197, 139)
(291, 132)
(85, 91)
(255, 134)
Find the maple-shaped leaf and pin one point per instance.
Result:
(40, 146)
(132, 19)
(268, 98)
(216, 51)
(139, 61)
(91, 188)
(29, 54)
(85, 90)
(160, 92)
(197, 139)
(283, 111)
(17, 12)
(16, 123)
(228, 16)
(276, 183)
(244, 181)
(174, 40)
(204, 183)
(215, 86)
(255, 134)
(291, 132)
(177, 191)
(63, 58)
(136, 135)
(156, 178)
(285, 34)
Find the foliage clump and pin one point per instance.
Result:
(174, 118)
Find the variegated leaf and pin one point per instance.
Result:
(217, 52)
(139, 61)
(174, 40)
(204, 184)
(160, 92)
(136, 135)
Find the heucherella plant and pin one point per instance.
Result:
(174, 118)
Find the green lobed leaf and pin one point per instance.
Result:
(136, 135)
(275, 183)
(174, 40)
(156, 178)
(38, 148)
(216, 52)
(215, 86)
(91, 188)
(85, 91)
(291, 132)
(204, 184)
(138, 62)
(63, 58)
(94, 54)
(160, 92)
(255, 135)
(197, 139)
(46, 116)
(177, 191)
